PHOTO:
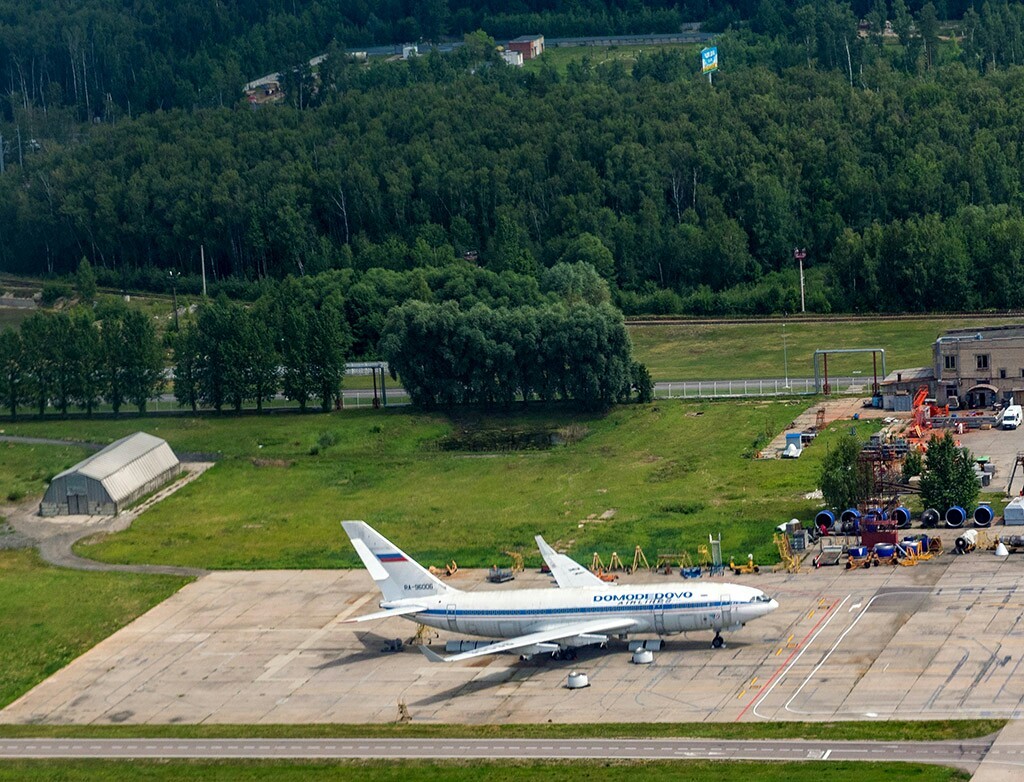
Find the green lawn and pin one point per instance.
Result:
(671, 472)
(471, 771)
(755, 350)
(49, 616)
(26, 470)
(559, 57)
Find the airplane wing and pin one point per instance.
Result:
(567, 572)
(403, 611)
(544, 636)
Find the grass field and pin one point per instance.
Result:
(25, 470)
(559, 57)
(670, 474)
(496, 771)
(49, 616)
(887, 730)
(755, 350)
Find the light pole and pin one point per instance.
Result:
(800, 253)
(785, 355)
(174, 293)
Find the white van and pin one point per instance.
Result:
(1011, 417)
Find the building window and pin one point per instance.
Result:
(1002, 374)
(950, 362)
(983, 361)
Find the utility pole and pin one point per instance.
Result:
(174, 294)
(785, 355)
(800, 253)
(202, 259)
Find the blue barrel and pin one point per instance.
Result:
(850, 514)
(925, 544)
(955, 517)
(912, 546)
(885, 550)
(825, 519)
(983, 516)
(902, 517)
(930, 518)
(858, 552)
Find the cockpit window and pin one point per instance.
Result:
(762, 598)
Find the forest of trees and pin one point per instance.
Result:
(896, 162)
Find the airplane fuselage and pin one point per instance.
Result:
(662, 610)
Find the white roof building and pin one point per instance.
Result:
(111, 479)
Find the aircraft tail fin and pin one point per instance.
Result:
(397, 575)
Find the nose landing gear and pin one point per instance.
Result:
(718, 642)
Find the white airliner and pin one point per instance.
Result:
(584, 610)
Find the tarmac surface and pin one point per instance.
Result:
(940, 640)
(961, 754)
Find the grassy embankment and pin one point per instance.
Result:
(754, 350)
(497, 771)
(672, 473)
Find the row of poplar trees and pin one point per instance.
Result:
(82, 358)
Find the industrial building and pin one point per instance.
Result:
(971, 368)
(530, 46)
(111, 479)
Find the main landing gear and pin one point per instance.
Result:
(718, 642)
(564, 654)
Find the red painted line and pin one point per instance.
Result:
(774, 676)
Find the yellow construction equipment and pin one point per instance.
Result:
(639, 559)
(424, 635)
(789, 561)
(615, 564)
(703, 556)
(667, 563)
(597, 565)
(747, 567)
(517, 561)
(448, 570)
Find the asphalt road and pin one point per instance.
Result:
(963, 754)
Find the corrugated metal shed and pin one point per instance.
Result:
(109, 480)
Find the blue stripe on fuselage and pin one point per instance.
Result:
(604, 608)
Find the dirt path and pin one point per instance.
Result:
(56, 535)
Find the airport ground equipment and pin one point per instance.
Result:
(930, 518)
(829, 555)
(517, 561)
(966, 542)
(597, 564)
(448, 570)
(955, 517)
(499, 575)
(744, 568)
(717, 568)
(615, 564)
(789, 561)
(983, 515)
(860, 556)
(639, 558)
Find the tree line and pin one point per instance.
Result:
(564, 341)
(83, 359)
(446, 355)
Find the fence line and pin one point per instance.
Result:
(715, 389)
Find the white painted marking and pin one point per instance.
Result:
(796, 659)
(854, 607)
